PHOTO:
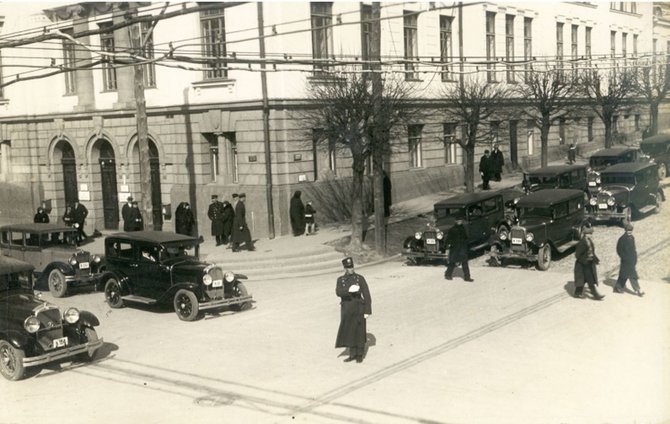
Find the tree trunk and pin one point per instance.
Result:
(653, 119)
(380, 218)
(608, 132)
(470, 167)
(544, 141)
(357, 218)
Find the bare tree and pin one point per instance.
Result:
(653, 84)
(608, 91)
(474, 104)
(548, 93)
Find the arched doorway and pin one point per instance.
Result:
(155, 174)
(69, 168)
(110, 195)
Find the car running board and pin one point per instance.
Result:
(567, 245)
(647, 208)
(139, 299)
(479, 247)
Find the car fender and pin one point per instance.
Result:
(17, 339)
(122, 280)
(172, 291)
(65, 268)
(87, 319)
(240, 276)
(408, 243)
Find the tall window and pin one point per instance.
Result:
(574, 47)
(414, 143)
(366, 31)
(613, 46)
(495, 132)
(332, 156)
(527, 44)
(530, 133)
(69, 62)
(587, 42)
(2, 93)
(107, 45)
(148, 52)
(232, 157)
(450, 143)
(322, 33)
(411, 43)
(509, 46)
(213, 157)
(635, 45)
(213, 27)
(624, 50)
(589, 128)
(446, 51)
(490, 45)
(559, 46)
(561, 131)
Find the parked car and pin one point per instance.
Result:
(628, 189)
(153, 267)
(548, 221)
(482, 212)
(52, 250)
(606, 157)
(555, 176)
(658, 148)
(34, 332)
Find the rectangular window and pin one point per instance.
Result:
(69, 62)
(232, 162)
(587, 42)
(561, 131)
(212, 24)
(411, 43)
(612, 44)
(527, 44)
(490, 46)
(574, 47)
(107, 45)
(366, 31)
(322, 33)
(559, 45)
(495, 132)
(148, 52)
(451, 145)
(589, 128)
(635, 45)
(530, 132)
(414, 143)
(332, 157)
(446, 51)
(509, 46)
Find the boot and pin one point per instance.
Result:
(579, 292)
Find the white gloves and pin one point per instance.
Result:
(354, 288)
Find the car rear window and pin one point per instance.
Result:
(618, 179)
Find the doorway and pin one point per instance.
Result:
(110, 196)
(513, 143)
(69, 168)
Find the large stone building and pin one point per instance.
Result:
(67, 111)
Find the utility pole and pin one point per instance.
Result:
(377, 141)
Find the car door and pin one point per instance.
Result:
(13, 245)
(148, 270)
(560, 227)
(476, 223)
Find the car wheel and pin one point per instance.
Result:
(113, 293)
(544, 258)
(240, 291)
(628, 215)
(186, 305)
(662, 171)
(57, 283)
(91, 336)
(11, 361)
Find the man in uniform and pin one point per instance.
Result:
(125, 213)
(79, 214)
(485, 169)
(625, 248)
(457, 239)
(215, 214)
(355, 307)
(241, 233)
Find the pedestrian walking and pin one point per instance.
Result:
(497, 163)
(388, 190)
(79, 214)
(67, 216)
(586, 261)
(355, 308)
(135, 216)
(297, 214)
(310, 222)
(572, 153)
(125, 213)
(625, 248)
(241, 233)
(215, 214)
(457, 240)
(228, 218)
(41, 216)
(184, 219)
(485, 169)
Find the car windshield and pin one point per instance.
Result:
(539, 180)
(535, 212)
(654, 148)
(603, 162)
(450, 213)
(176, 250)
(618, 179)
(16, 281)
(66, 238)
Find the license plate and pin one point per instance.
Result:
(602, 206)
(592, 183)
(62, 342)
(430, 241)
(84, 265)
(217, 283)
(516, 240)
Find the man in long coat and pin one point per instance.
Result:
(497, 162)
(184, 219)
(228, 218)
(125, 213)
(297, 214)
(215, 214)
(135, 218)
(457, 239)
(241, 233)
(485, 169)
(79, 214)
(355, 307)
(41, 216)
(585, 266)
(625, 248)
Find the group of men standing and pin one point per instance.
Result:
(132, 217)
(490, 166)
(229, 222)
(74, 216)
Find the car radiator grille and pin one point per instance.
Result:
(83, 258)
(518, 234)
(602, 200)
(215, 293)
(428, 246)
(51, 327)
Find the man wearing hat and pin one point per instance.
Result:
(241, 233)
(625, 248)
(585, 265)
(486, 169)
(125, 213)
(215, 214)
(457, 239)
(355, 307)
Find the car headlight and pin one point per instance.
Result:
(530, 237)
(598, 180)
(96, 259)
(207, 279)
(71, 315)
(72, 261)
(229, 276)
(440, 235)
(610, 201)
(502, 236)
(417, 235)
(593, 201)
(31, 324)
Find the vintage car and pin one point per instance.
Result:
(607, 157)
(628, 189)
(34, 332)
(658, 148)
(548, 220)
(153, 267)
(52, 250)
(482, 212)
(555, 176)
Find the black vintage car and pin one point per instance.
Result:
(548, 220)
(607, 157)
(153, 267)
(658, 148)
(52, 250)
(555, 176)
(482, 212)
(628, 190)
(34, 332)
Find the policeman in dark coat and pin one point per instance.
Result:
(486, 169)
(79, 214)
(215, 214)
(625, 248)
(41, 216)
(67, 216)
(297, 214)
(228, 218)
(497, 162)
(585, 266)
(184, 219)
(241, 233)
(572, 153)
(355, 307)
(125, 213)
(135, 217)
(457, 239)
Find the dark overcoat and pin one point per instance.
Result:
(136, 220)
(297, 214)
(240, 229)
(585, 263)
(457, 239)
(309, 214)
(67, 217)
(215, 213)
(352, 331)
(486, 165)
(79, 214)
(228, 218)
(184, 220)
(41, 217)
(497, 161)
(125, 214)
(625, 248)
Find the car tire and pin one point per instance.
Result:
(494, 261)
(57, 283)
(113, 293)
(662, 171)
(628, 215)
(11, 361)
(544, 257)
(91, 336)
(186, 305)
(658, 200)
(240, 290)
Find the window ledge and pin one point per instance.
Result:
(324, 79)
(3, 101)
(225, 82)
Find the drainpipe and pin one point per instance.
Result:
(266, 124)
